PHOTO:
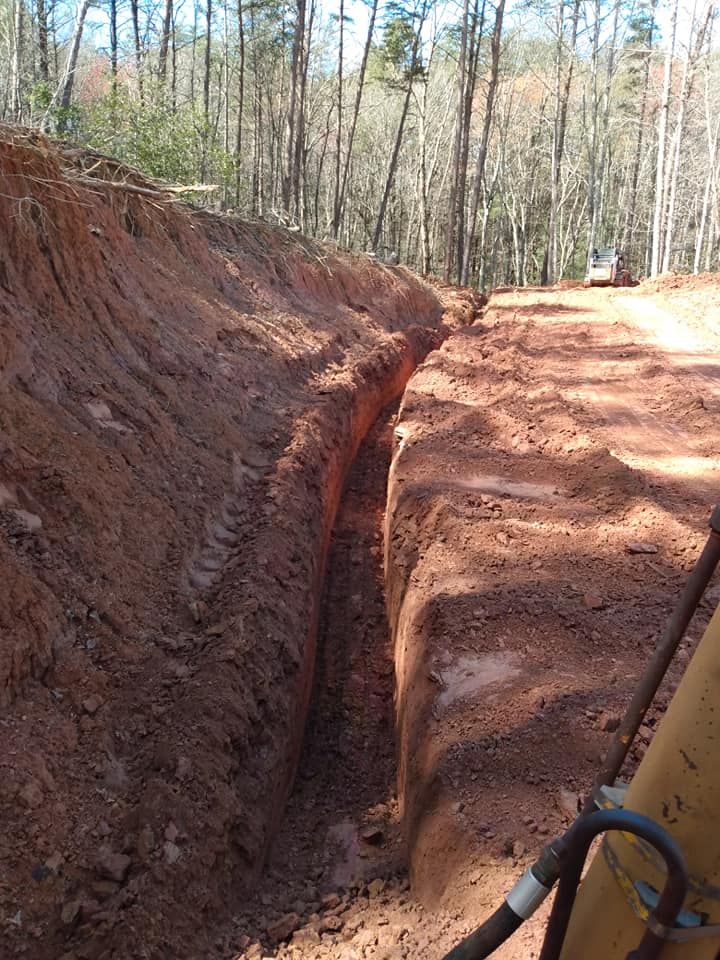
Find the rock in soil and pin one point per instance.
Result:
(283, 928)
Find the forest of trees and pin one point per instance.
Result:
(481, 141)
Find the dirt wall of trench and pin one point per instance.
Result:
(180, 397)
(303, 495)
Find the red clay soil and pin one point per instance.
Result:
(336, 887)
(521, 619)
(180, 398)
(554, 470)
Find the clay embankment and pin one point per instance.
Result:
(180, 398)
(553, 473)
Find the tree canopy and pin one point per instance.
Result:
(484, 144)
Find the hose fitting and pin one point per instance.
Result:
(534, 885)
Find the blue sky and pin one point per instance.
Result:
(445, 12)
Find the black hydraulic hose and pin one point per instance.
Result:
(487, 938)
(659, 662)
(520, 903)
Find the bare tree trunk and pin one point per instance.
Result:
(713, 141)
(173, 61)
(256, 191)
(164, 40)
(477, 28)
(425, 250)
(241, 97)
(226, 98)
(299, 173)
(53, 30)
(208, 60)
(562, 99)
(290, 176)
(18, 26)
(321, 163)
(391, 170)
(113, 47)
(628, 239)
(389, 180)
(713, 230)
(135, 13)
(485, 140)
(338, 136)
(63, 94)
(704, 214)
(423, 175)
(276, 144)
(205, 138)
(592, 139)
(353, 125)
(193, 58)
(43, 41)
(658, 215)
(454, 199)
(596, 188)
(688, 79)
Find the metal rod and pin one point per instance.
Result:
(660, 661)
(572, 849)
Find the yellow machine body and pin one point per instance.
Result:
(678, 785)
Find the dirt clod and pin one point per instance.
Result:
(54, 862)
(283, 928)
(609, 722)
(91, 705)
(113, 866)
(331, 924)
(373, 835)
(375, 888)
(569, 803)
(306, 937)
(70, 912)
(171, 852)
(644, 547)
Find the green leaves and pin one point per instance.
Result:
(400, 46)
(398, 43)
(161, 142)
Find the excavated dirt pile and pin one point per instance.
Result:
(181, 396)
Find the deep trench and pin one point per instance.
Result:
(340, 829)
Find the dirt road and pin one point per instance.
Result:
(553, 470)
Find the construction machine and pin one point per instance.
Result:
(606, 268)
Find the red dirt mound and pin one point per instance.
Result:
(679, 281)
(180, 397)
